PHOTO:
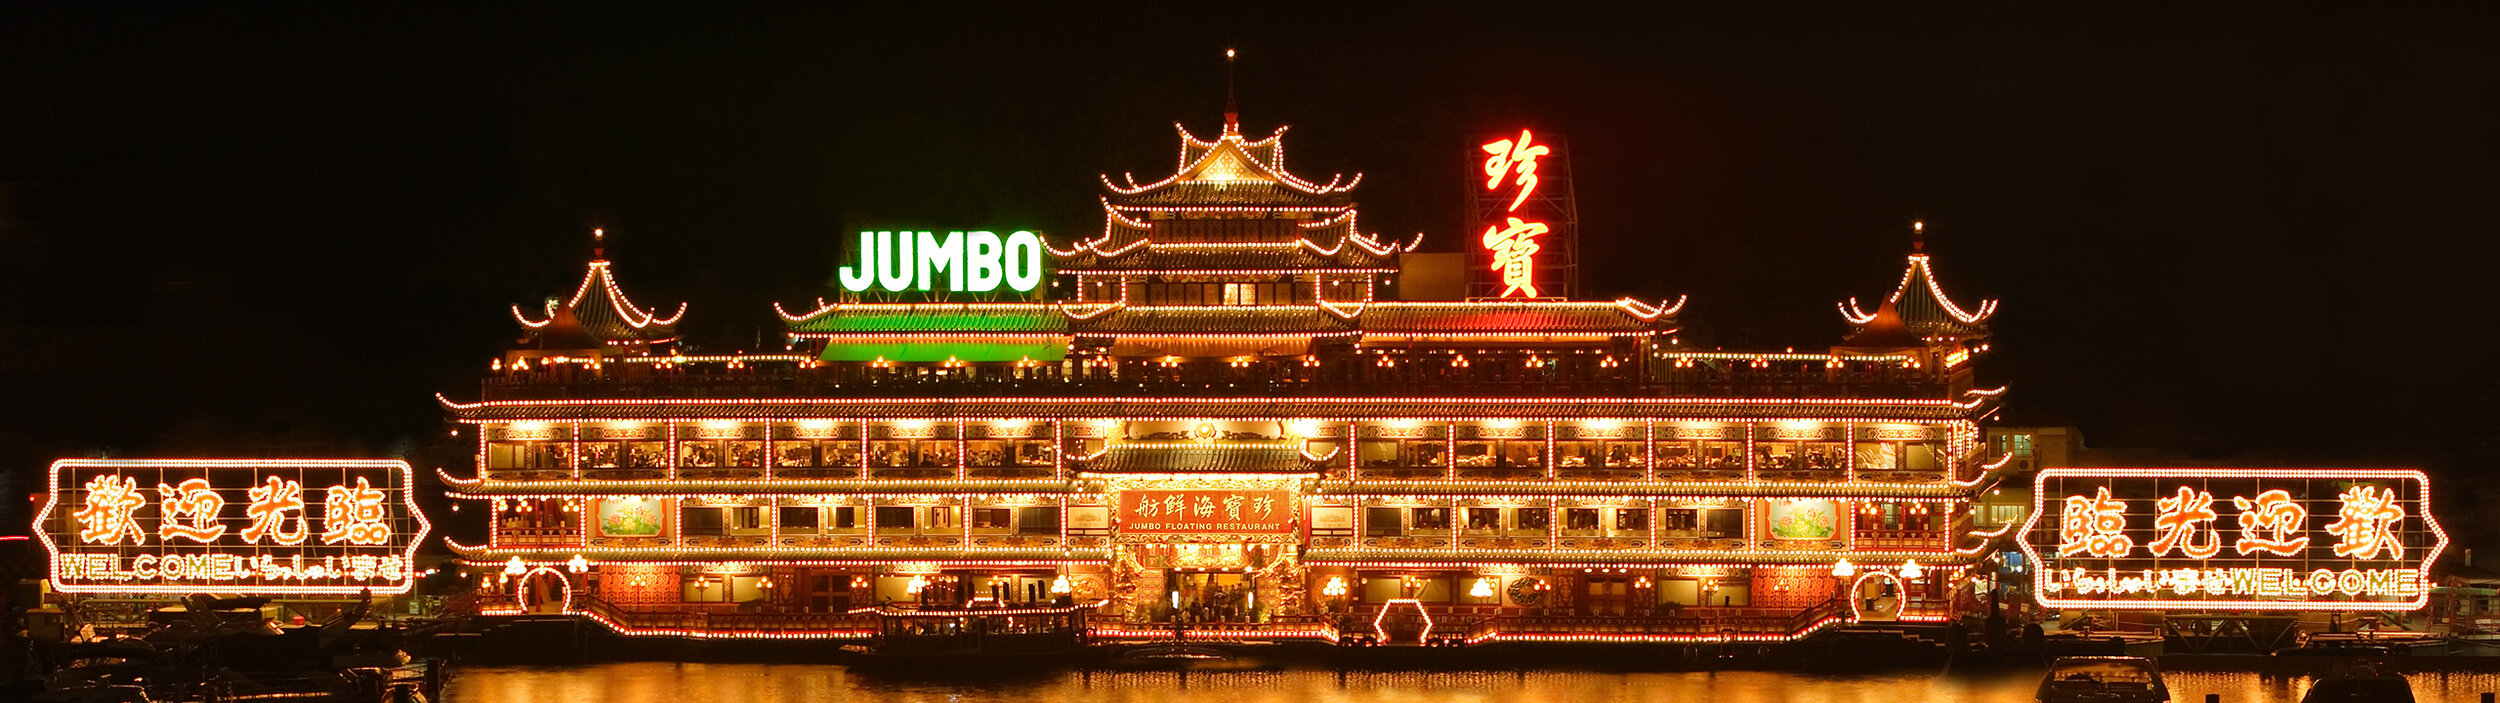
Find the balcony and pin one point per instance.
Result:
(1262, 379)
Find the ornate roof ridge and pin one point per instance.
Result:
(600, 310)
(1264, 159)
(1921, 305)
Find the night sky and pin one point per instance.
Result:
(2255, 234)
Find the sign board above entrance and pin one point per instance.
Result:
(1232, 515)
(960, 262)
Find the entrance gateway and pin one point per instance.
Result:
(1212, 546)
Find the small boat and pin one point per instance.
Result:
(2359, 682)
(2102, 680)
(981, 631)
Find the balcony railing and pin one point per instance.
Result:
(788, 382)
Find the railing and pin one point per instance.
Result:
(784, 382)
(700, 623)
(1904, 539)
(1686, 624)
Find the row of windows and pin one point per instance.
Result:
(1707, 522)
(735, 520)
(1530, 453)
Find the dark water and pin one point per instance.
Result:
(669, 682)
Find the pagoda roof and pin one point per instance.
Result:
(1230, 172)
(1625, 316)
(597, 315)
(1403, 318)
(1729, 551)
(1920, 307)
(928, 318)
(484, 488)
(758, 549)
(1140, 254)
(1215, 319)
(1212, 457)
(1870, 409)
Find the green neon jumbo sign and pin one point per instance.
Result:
(970, 262)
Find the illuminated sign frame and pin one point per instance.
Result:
(2282, 544)
(971, 262)
(212, 517)
(1208, 512)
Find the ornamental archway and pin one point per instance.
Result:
(544, 591)
(1876, 597)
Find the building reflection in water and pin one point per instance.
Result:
(670, 682)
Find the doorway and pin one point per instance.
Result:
(1607, 595)
(1876, 597)
(1212, 596)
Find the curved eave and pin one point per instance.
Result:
(1350, 408)
(496, 488)
(682, 553)
(1636, 487)
(1432, 558)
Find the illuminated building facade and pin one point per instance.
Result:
(1218, 414)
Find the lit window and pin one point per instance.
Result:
(1241, 294)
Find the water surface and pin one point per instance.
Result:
(673, 682)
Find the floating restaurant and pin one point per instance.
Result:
(1233, 411)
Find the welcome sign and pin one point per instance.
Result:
(336, 526)
(960, 262)
(2232, 539)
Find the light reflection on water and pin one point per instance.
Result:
(671, 682)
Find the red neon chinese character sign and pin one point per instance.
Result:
(354, 515)
(2270, 523)
(2177, 523)
(1514, 246)
(2095, 526)
(190, 512)
(1509, 156)
(113, 501)
(2366, 524)
(271, 502)
(1514, 254)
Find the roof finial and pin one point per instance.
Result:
(598, 243)
(1918, 236)
(1232, 111)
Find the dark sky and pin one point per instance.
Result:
(2257, 234)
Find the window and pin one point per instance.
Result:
(1533, 518)
(1383, 522)
(702, 522)
(1484, 518)
(1377, 452)
(796, 453)
(1037, 521)
(894, 516)
(845, 518)
(1685, 520)
(941, 517)
(798, 519)
(1723, 523)
(1241, 294)
(1432, 518)
(747, 454)
(2018, 445)
(1631, 518)
(1580, 518)
(991, 518)
(746, 518)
